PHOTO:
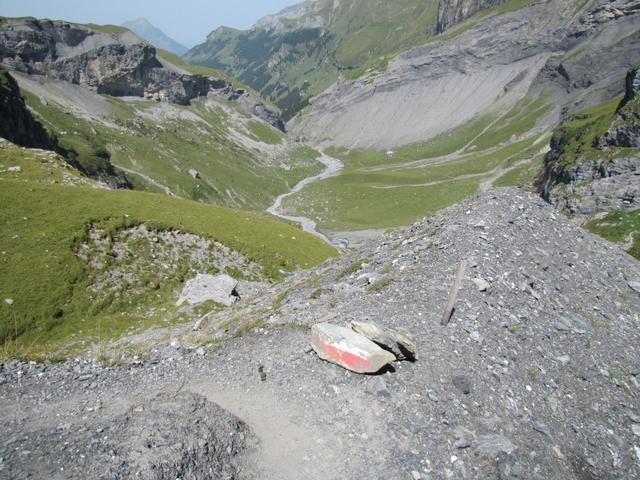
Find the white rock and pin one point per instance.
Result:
(8, 301)
(16, 169)
(220, 289)
(348, 349)
(482, 284)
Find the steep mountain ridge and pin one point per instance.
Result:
(155, 36)
(301, 51)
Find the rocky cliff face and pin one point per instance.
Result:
(452, 12)
(588, 171)
(113, 64)
(16, 122)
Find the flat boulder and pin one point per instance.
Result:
(395, 341)
(348, 349)
(219, 288)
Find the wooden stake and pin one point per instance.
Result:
(453, 295)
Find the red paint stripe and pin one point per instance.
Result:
(345, 357)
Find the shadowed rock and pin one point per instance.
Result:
(395, 341)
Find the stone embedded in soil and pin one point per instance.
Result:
(462, 383)
(492, 445)
(378, 387)
(482, 284)
(397, 342)
(348, 349)
(220, 289)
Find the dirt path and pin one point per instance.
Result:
(334, 166)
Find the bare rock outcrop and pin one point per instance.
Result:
(117, 64)
(602, 179)
(16, 122)
(452, 12)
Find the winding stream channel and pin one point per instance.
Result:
(333, 168)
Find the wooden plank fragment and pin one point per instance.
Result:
(453, 295)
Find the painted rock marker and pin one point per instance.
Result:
(348, 349)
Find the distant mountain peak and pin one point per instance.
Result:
(155, 36)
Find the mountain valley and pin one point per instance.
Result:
(175, 224)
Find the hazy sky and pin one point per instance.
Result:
(187, 21)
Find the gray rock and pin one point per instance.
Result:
(220, 289)
(564, 359)
(492, 445)
(482, 284)
(462, 383)
(378, 387)
(635, 286)
(348, 349)
(395, 341)
(563, 325)
(475, 336)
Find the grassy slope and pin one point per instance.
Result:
(165, 149)
(42, 224)
(377, 190)
(574, 142)
(619, 227)
(575, 137)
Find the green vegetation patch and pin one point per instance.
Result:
(619, 227)
(388, 189)
(265, 133)
(156, 150)
(574, 140)
(43, 226)
(110, 29)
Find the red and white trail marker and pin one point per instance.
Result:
(348, 349)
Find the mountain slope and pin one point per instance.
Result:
(80, 261)
(155, 36)
(462, 113)
(298, 53)
(534, 377)
(110, 98)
